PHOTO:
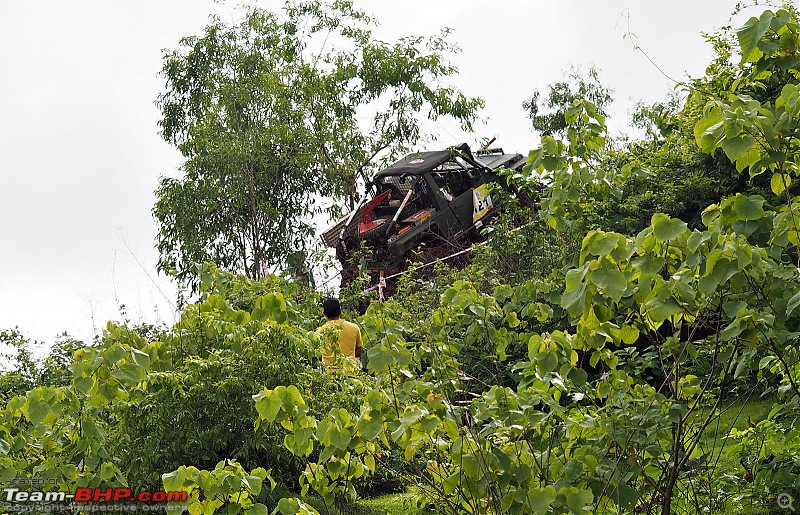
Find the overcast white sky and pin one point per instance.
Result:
(80, 154)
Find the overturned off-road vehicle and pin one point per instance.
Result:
(424, 207)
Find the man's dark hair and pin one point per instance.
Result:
(331, 308)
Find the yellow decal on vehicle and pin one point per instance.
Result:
(481, 202)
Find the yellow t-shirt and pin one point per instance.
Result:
(349, 337)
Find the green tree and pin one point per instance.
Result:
(548, 114)
(20, 370)
(269, 115)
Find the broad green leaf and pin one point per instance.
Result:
(174, 481)
(369, 461)
(626, 496)
(370, 425)
(752, 159)
(695, 240)
(512, 320)
(89, 428)
(779, 182)
(547, 361)
(253, 484)
(578, 500)
(129, 373)
(709, 131)
(36, 409)
(470, 465)
(742, 369)
(293, 506)
(666, 228)
(540, 499)
(141, 358)
(379, 359)
(649, 263)
(599, 243)
(748, 207)
(766, 361)
(629, 334)
(340, 438)
(792, 304)
(115, 353)
(257, 509)
(7, 471)
(578, 376)
(268, 404)
(735, 147)
(83, 384)
(572, 301)
(750, 34)
(611, 281)
(662, 310)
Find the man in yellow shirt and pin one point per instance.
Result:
(347, 333)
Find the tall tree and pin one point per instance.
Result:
(547, 113)
(269, 115)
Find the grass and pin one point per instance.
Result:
(404, 503)
(395, 504)
(738, 414)
(725, 456)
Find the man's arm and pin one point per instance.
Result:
(359, 344)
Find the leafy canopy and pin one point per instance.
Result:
(269, 114)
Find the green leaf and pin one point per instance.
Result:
(83, 384)
(257, 509)
(141, 358)
(578, 376)
(512, 320)
(629, 334)
(792, 304)
(370, 425)
(471, 466)
(268, 404)
(599, 243)
(742, 369)
(578, 500)
(735, 147)
(611, 281)
(748, 207)
(540, 499)
(661, 310)
(340, 438)
(129, 373)
(627, 497)
(750, 34)
(752, 159)
(779, 182)
(666, 228)
(173, 481)
(572, 470)
(379, 359)
(253, 484)
(649, 263)
(293, 506)
(547, 361)
(36, 409)
(709, 131)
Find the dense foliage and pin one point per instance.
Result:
(578, 364)
(268, 114)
